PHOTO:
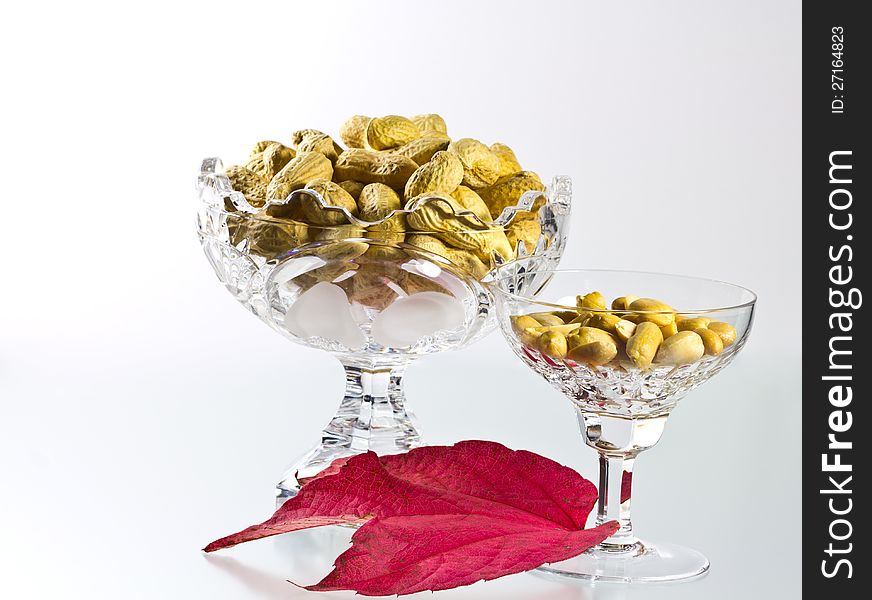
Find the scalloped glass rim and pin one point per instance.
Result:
(246, 217)
(213, 167)
(495, 283)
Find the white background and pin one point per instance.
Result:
(143, 413)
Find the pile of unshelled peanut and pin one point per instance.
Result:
(636, 332)
(449, 192)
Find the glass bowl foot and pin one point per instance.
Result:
(643, 563)
(309, 465)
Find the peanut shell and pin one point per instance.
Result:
(353, 131)
(352, 187)
(528, 231)
(302, 169)
(509, 164)
(315, 141)
(466, 261)
(430, 122)
(377, 201)
(367, 166)
(251, 184)
(506, 191)
(442, 174)
(481, 167)
(261, 146)
(384, 133)
(437, 215)
(422, 149)
(268, 237)
(469, 200)
(334, 195)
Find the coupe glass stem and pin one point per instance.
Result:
(618, 441)
(615, 481)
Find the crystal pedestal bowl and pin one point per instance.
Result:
(625, 368)
(376, 295)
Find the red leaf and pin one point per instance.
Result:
(445, 516)
(350, 494)
(626, 485)
(403, 555)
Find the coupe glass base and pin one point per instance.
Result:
(644, 563)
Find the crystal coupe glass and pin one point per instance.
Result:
(364, 293)
(621, 409)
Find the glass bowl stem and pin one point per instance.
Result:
(372, 416)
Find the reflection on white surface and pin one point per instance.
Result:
(261, 583)
(305, 557)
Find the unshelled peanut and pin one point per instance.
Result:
(377, 201)
(384, 133)
(509, 164)
(252, 185)
(301, 170)
(442, 174)
(430, 122)
(334, 196)
(421, 150)
(353, 131)
(527, 231)
(481, 167)
(352, 187)
(467, 261)
(315, 141)
(367, 166)
(469, 200)
(392, 169)
(507, 191)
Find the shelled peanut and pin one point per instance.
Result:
(634, 333)
(449, 191)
